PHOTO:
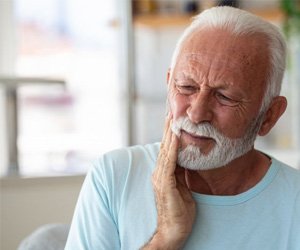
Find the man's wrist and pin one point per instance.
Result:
(158, 242)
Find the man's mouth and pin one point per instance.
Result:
(197, 137)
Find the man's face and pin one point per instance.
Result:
(219, 79)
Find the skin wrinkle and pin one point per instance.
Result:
(198, 61)
(231, 67)
(240, 110)
(248, 79)
(221, 60)
(194, 72)
(236, 95)
(211, 74)
(204, 113)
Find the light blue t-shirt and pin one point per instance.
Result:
(116, 208)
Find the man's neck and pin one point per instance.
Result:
(237, 177)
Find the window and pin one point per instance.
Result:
(61, 128)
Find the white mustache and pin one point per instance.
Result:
(201, 129)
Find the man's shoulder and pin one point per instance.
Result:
(287, 169)
(125, 158)
(140, 152)
(124, 168)
(290, 175)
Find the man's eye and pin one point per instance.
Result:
(225, 100)
(186, 89)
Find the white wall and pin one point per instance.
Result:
(27, 203)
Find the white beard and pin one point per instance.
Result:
(224, 151)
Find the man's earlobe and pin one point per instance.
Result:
(275, 111)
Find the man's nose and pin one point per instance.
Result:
(200, 109)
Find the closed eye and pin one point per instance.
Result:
(186, 89)
(186, 86)
(226, 100)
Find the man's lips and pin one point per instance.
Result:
(197, 137)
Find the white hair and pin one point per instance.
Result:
(241, 22)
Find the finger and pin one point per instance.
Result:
(168, 137)
(163, 147)
(167, 126)
(168, 175)
(163, 160)
(172, 154)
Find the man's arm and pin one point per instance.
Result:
(93, 226)
(175, 206)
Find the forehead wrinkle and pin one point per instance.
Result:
(190, 71)
(205, 59)
(195, 75)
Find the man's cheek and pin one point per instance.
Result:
(177, 106)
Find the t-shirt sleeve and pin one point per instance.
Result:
(94, 224)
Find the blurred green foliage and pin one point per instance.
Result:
(291, 9)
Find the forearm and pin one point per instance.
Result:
(158, 242)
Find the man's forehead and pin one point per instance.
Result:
(222, 45)
(214, 60)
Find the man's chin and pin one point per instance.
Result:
(192, 158)
(203, 150)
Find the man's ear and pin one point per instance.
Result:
(276, 109)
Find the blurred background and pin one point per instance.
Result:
(81, 77)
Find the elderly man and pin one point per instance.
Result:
(210, 188)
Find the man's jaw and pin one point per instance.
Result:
(210, 155)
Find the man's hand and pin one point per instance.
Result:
(176, 208)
